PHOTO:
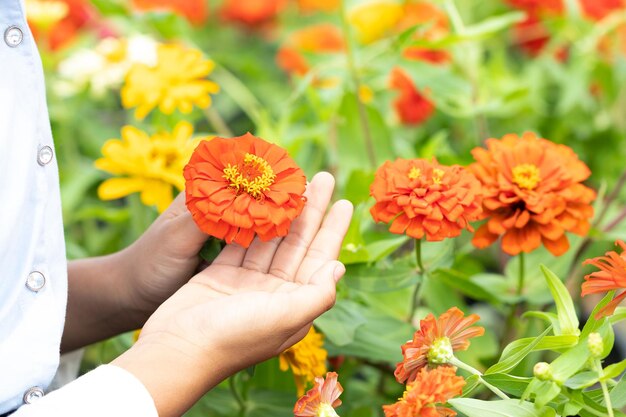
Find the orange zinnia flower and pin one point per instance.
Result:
(241, 187)
(320, 38)
(422, 198)
(436, 341)
(322, 399)
(611, 276)
(196, 11)
(411, 106)
(309, 6)
(427, 390)
(435, 26)
(252, 12)
(532, 194)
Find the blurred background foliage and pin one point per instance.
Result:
(508, 66)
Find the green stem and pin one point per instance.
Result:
(520, 278)
(460, 364)
(455, 17)
(218, 123)
(419, 287)
(605, 390)
(233, 389)
(369, 143)
(509, 327)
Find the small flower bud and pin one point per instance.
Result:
(542, 371)
(595, 344)
(440, 351)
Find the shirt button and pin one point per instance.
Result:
(13, 36)
(44, 156)
(35, 281)
(32, 395)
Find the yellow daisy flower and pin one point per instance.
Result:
(307, 359)
(177, 81)
(152, 166)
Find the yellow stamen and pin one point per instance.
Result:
(256, 178)
(526, 176)
(415, 173)
(438, 175)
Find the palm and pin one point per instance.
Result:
(272, 288)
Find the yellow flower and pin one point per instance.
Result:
(374, 21)
(307, 359)
(45, 13)
(177, 81)
(151, 166)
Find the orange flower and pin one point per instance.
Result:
(320, 38)
(309, 6)
(531, 35)
(241, 187)
(195, 11)
(436, 341)
(252, 12)
(532, 194)
(435, 26)
(422, 198)
(428, 389)
(599, 9)
(411, 106)
(611, 276)
(80, 15)
(321, 400)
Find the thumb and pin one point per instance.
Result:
(181, 227)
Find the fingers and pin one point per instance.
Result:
(260, 254)
(232, 255)
(327, 242)
(294, 246)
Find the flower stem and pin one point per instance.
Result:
(605, 390)
(510, 320)
(218, 123)
(419, 286)
(232, 384)
(520, 278)
(369, 143)
(460, 364)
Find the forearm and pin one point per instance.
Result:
(98, 304)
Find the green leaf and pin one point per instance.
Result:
(492, 25)
(582, 380)
(340, 323)
(503, 408)
(549, 318)
(618, 394)
(511, 384)
(462, 283)
(470, 384)
(614, 370)
(515, 352)
(568, 320)
(592, 324)
(618, 315)
(541, 391)
(384, 276)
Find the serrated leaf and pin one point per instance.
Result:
(568, 320)
(503, 408)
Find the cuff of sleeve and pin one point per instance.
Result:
(106, 391)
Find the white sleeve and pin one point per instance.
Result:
(104, 392)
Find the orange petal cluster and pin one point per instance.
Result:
(309, 6)
(423, 198)
(252, 13)
(611, 276)
(320, 38)
(532, 194)
(196, 11)
(428, 389)
(452, 325)
(433, 24)
(411, 106)
(322, 399)
(241, 187)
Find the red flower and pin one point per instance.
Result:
(411, 106)
(196, 11)
(322, 399)
(320, 38)
(252, 13)
(241, 187)
(436, 341)
(611, 276)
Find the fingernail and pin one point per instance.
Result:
(340, 269)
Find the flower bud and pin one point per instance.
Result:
(440, 351)
(542, 371)
(595, 344)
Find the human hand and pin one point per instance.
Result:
(247, 306)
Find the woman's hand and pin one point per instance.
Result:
(247, 306)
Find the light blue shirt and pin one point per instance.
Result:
(33, 268)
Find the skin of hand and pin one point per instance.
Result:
(247, 306)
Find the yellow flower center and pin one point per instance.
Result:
(526, 176)
(414, 173)
(254, 178)
(440, 351)
(438, 175)
(326, 410)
